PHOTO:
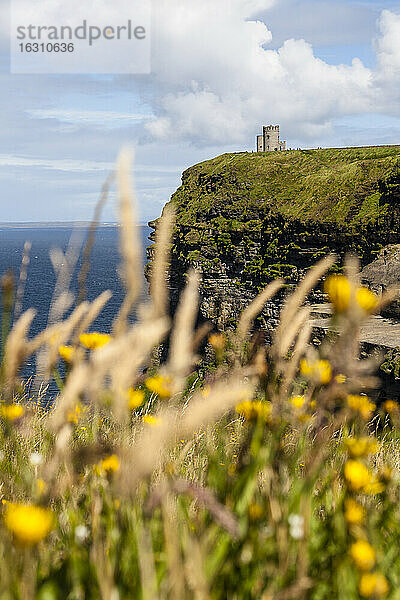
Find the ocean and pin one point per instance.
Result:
(41, 278)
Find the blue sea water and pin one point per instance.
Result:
(41, 278)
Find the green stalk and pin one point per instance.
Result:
(7, 296)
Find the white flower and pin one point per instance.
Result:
(296, 520)
(36, 459)
(297, 533)
(296, 526)
(81, 533)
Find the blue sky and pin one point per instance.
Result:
(229, 68)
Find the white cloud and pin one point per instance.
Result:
(81, 166)
(217, 81)
(89, 117)
(71, 166)
(388, 46)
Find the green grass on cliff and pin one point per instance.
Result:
(336, 185)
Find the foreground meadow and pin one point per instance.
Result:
(268, 474)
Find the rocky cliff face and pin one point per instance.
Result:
(245, 219)
(384, 273)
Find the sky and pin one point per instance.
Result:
(327, 71)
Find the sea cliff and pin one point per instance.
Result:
(244, 219)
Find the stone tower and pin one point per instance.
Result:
(269, 140)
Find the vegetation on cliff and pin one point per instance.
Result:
(244, 219)
(342, 186)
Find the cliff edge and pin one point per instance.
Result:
(244, 219)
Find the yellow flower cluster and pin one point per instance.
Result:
(28, 523)
(356, 474)
(358, 447)
(252, 410)
(110, 464)
(301, 406)
(93, 341)
(297, 401)
(354, 512)
(151, 420)
(319, 371)
(340, 378)
(67, 353)
(41, 486)
(74, 415)
(217, 341)
(135, 398)
(12, 412)
(338, 289)
(256, 511)
(391, 406)
(360, 479)
(373, 585)
(363, 555)
(361, 404)
(159, 385)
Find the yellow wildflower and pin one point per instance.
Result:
(217, 341)
(373, 585)
(136, 398)
(354, 512)
(297, 401)
(92, 341)
(374, 486)
(12, 412)
(151, 420)
(386, 474)
(366, 299)
(252, 410)
(391, 406)
(363, 555)
(357, 475)
(358, 447)
(66, 353)
(110, 464)
(75, 414)
(338, 289)
(255, 511)
(304, 418)
(28, 523)
(361, 404)
(319, 371)
(340, 378)
(205, 392)
(159, 385)
(41, 486)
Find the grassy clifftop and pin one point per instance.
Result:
(245, 219)
(349, 186)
